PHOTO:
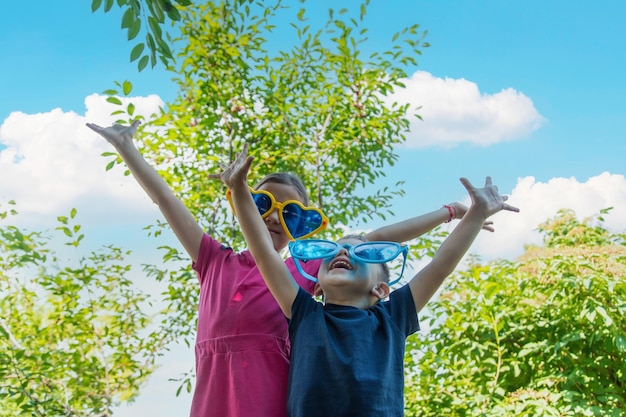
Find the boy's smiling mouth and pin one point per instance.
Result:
(340, 263)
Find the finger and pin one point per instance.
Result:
(504, 197)
(246, 165)
(488, 181)
(94, 127)
(133, 127)
(509, 207)
(468, 186)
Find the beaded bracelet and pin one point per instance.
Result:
(452, 212)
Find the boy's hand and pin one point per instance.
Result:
(116, 135)
(237, 172)
(487, 199)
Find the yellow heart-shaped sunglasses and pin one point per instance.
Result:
(298, 221)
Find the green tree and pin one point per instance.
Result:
(74, 336)
(542, 336)
(314, 106)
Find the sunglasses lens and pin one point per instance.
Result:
(312, 249)
(300, 222)
(263, 203)
(376, 251)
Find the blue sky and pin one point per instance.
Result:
(529, 92)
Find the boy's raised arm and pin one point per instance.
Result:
(485, 202)
(271, 265)
(180, 219)
(416, 226)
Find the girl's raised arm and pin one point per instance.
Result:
(180, 219)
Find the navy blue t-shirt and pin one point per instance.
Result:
(346, 361)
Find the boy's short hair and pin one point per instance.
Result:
(286, 178)
(362, 238)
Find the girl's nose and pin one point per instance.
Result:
(273, 216)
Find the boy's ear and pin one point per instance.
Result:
(317, 290)
(381, 290)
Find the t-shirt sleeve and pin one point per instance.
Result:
(302, 305)
(209, 250)
(402, 310)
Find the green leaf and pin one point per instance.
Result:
(136, 52)
(157, 10)
(143, 62)
(114, 100)
(607, 319)
(110, 165)
(134, 29)
(95, 5)
(127, 87)
(173, 14)
(164, 48)
(155, 27)
(620, 343)
(128, 18)
(107, 5)
(150, 41)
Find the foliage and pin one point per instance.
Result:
(542, 336)
(316, 107)
(153, 14)
(74, 338)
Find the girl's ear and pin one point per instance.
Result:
(317, 290)
(381, 290)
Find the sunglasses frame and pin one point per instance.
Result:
(401, 250)
(275, 205)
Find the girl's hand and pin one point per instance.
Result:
(116, 135)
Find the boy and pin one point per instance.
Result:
(347, 354)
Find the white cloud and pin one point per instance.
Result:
(455, 111)
(540, 201)
(52, 162)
